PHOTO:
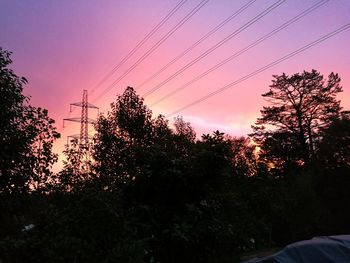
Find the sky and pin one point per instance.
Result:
(63, 47)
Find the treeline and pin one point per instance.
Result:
(151, 192)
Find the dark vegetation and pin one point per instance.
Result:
(158, 194)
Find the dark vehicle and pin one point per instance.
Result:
(328, 249)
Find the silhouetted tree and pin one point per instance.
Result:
(27, 135)
(300, 106)
(334, 148)
(184, 129)
(76, 171)
(245, 158)
(124, 137)
(179, 192)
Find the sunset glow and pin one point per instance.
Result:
(63, 47)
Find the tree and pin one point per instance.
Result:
(27, 135)
(301, 106)
(245, 160)
(76, 171)
(176, 189)
(124, 138)
(334, 148)
(184, 129)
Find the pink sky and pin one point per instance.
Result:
(63, 47)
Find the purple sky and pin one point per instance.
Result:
(63, 47)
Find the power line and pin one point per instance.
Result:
(137, 47)
(278, 61)
(228, 19)
(217, 45)
(140, 44)
(155, 46)
(242, 51)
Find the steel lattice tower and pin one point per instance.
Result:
(84, 120)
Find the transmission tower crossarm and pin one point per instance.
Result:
(80, 104)
(84, 120)
(78, 119)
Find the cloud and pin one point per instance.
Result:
(203, 125)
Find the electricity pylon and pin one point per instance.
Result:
(84, 121)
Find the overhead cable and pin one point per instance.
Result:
(242, 51)
(140, 44)
(220, 25)
(216, 46)
(154, 47)
(276, 62)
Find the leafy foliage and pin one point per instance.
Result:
(27, 135)
(334, 148)
(160, 194)
(76, 172)
(300, 106)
